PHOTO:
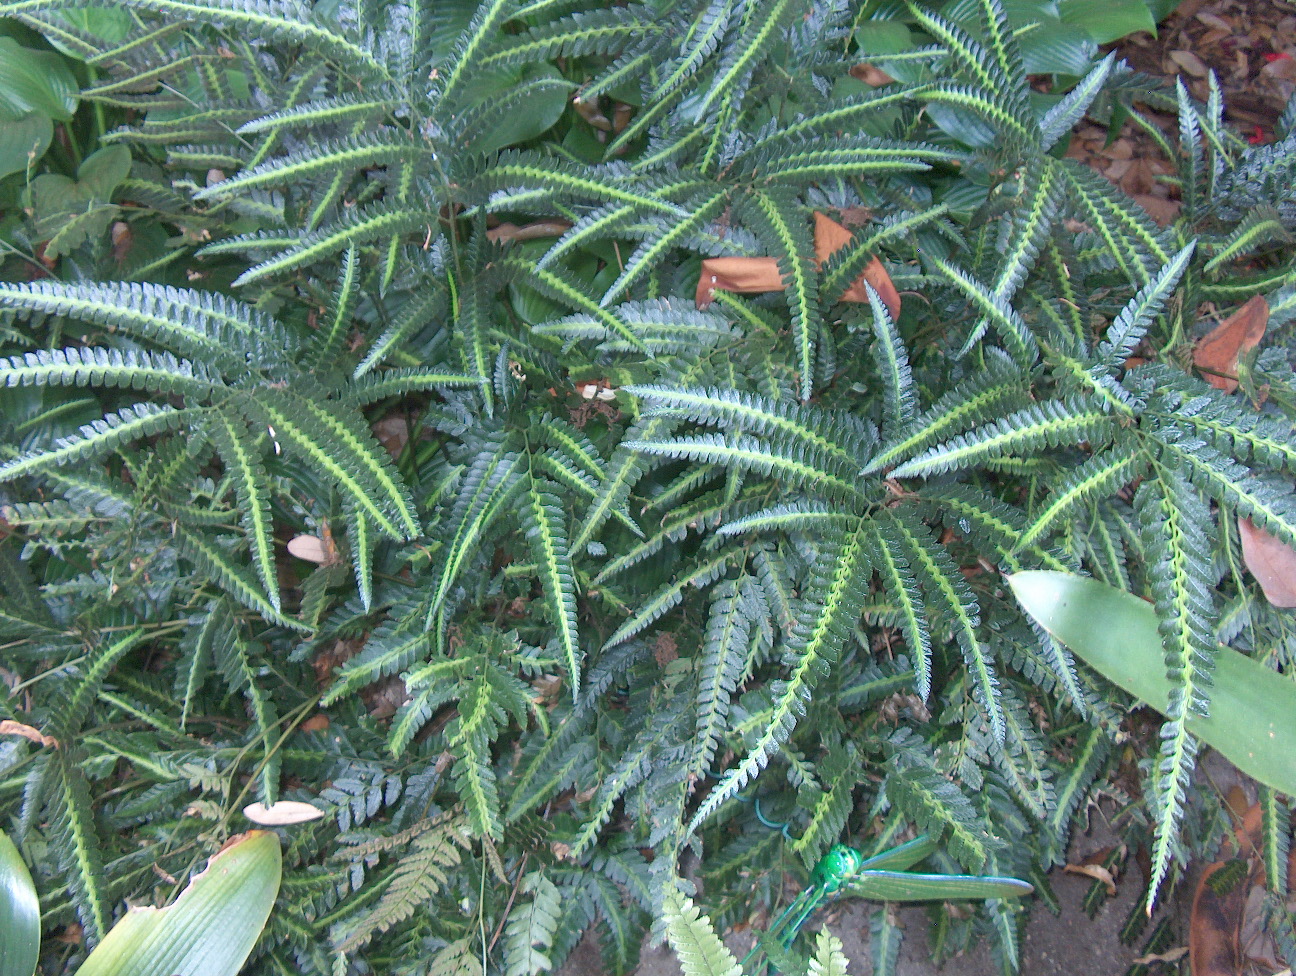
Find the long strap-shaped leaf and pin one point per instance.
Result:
(19, 914)
(211, 928)
(1251, 707)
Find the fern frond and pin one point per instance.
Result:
(829, 612)
(101, 437)
(698, 948)
(545, 526)
(1103, 475)
(242, 460)
(342, 448)
(989, 392)
(1178, 537)
(419, 875)
(951, 598)
(1052, 423)
(837, 435)
(531, 927)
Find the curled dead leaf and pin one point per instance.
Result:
(528, 232)
(10, 727)
(1095, 871)
(1271, 561)
(282, 814)
(1217, 353)
(1170, 955)
(757, 275)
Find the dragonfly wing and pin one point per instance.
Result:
(904, 856)
(905, 886)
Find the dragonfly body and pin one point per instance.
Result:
(847, 872)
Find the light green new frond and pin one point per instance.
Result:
(698, 948)
(242, 460)
(532, 925)
(829, 958)
(1178, 537)
(545, 526)
(1052, 423)
(94, 440)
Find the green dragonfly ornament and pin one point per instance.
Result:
(845, 872)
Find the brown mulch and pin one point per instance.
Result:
(1251, 47)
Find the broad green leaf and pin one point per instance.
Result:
(34, 81)
(19, 914)
(1251, 707)
(211, 927)
(1108, 20)
(25, 140)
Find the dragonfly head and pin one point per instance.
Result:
(836, 867)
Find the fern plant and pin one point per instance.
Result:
(612, 559)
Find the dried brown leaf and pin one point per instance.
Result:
(10, 727)
(1217, 353)
(1095, 871)
(1214, 932)
(1271, 561)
